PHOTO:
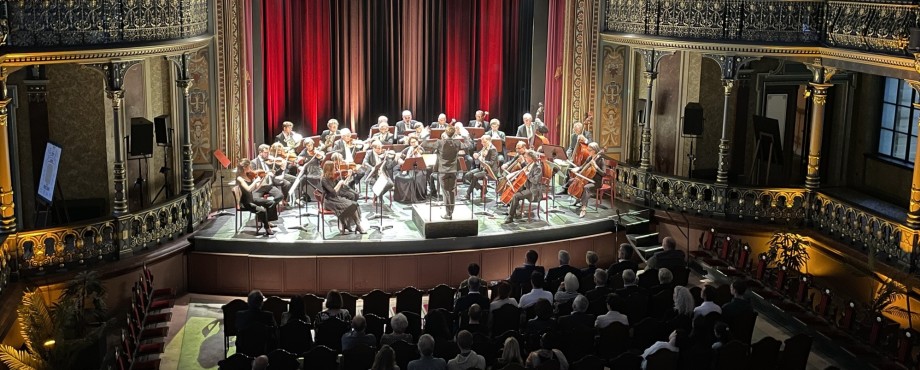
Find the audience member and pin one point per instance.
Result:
(600, 290)
(665, 282)
(511, 354)
(260, 363)
(475, 325)
(568, 291)
(579, 317)
(521, 275)
(547, 354)
(467, 359)
(624, 262)
(676, 340)
(556, 274)
(503, 297)
(670, 257)
(722, 334)
(630, 284)
(438, 324)
(708, 306)
(427, 361)
(537, 293)
(357, 335)
(473, 270)
(614, 305)
(334, 308)
(739, 306)
(473, 297)
(385, 359)
(682, 316)
(399, 323)
(254, 313)
(591, 258)
(295, 311)
(543, 321)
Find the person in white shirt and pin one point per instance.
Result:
(527, 300)
(503, 297)
(614, 304)
(708, 305)
(677, 339)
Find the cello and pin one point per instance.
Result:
(581, 149)
(516, 181)
(582, 176)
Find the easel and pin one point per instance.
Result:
(165, 170)
(224, 164)
(41, 215)
(758, 161)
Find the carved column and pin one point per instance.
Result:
(7, 205)
(729, 65)
(184, 82)
(114, 73)
(913, 212)
(820, 76)
(651, 59)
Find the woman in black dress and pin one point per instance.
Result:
(336, 193)
(411, 186)
(249, 181)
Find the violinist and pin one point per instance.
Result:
(579, 135)
(326, 139)
(384, 136)
(250, 182)
(338, 198)
(311, 169)
(418, 131)
(411, 185)
(279, 168)
(269, 186)
(440, 123)
(345, 170)
(379, 164)
(288, 138)
(496, 133)
(532, 189)
(539, 138)
(487, 158)
(596, 161)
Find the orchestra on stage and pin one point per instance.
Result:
(412, 163)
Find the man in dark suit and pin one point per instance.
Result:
(254, 313)
(327, 138)
(357, 335)
(579, 135)
(448, 150)
(739, 306)
(624, 262)
(384, 136)
(555, 274)
(463, 303)
(669, 257)
(527, 129)
(406, 125)
(495, 130)
(630, 284)
(521, 275)
(591, 259)
(579, 317)
(479, 121)
(665, 282)
(600, 290)
(288, 137)
(440, 123)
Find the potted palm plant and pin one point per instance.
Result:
(787, 250)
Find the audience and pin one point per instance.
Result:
(739, 306)
(624, 262)
(295, 311)
(708, 306)
(399, 323)
(579, 317)
(591, 258)
(427, 361)
(511, 353)
(438, 325)
(357, 335)
(676, 340)
(543, 321)
(537, 293)
(260, 363)
(670, 257)
(722, 334)
(254, 313)
(475, 325)
(548, 353)
(473, 270)
(600, 290)
(334, 308)
(520, 275)
(385, 359)
(568, 291)
(558, 273)
(473, 297)
(467, 359)
(503, 297)
(682, 316)
(614, 305)
(630, 284)
(665, 282)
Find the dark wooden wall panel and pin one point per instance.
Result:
(334, 273)
(401, 272)
(495, 264)
(299, 275)
(267, 274)
(434, 269)
(232, 274)
(577, 249)
(369, 273)
(458, 264)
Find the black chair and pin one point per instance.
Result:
(350, 303)
(415, 324)
(647, 332)
(627, 361)
(681, 275)
(484, 346)
(723, 295)
(586, 283)
(589, 362)
(764, 354)
(441, 296)
(409, 299)
(731, 356)
(635, 306)
(577, 342)
(295, 336)
(513, 366)
(446, 349)
(697, 294)
(612, 340)
(329, 333)
(795, 353)
(237, 361)
(662, 359)
(598, 306)
(703, 327)
(405, 353)
(564, 308)
(229, 311)
(507, 317)
(661, 304)
(280, 359)
(276, 306)
(376, 302)
(649, 278)
(255, 339)
(743, 327)
(322, 357)
(375, 325)
(361, 357)
(312, 304)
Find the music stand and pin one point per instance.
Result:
(476, 132)
(412, 165)
(436, 133)
(316, 140)
(497, 143)
(511, 142)
(225, 164)
(379, 209)
(359, 159)
(553, 153)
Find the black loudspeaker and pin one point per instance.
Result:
(640, 111)
(914, 42)
(161, 129)
(693, 119)
(141, 139)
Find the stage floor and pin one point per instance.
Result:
(297, 229)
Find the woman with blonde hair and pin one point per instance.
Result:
(682, 315)
(511, 353)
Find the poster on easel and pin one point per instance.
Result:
(48, 177)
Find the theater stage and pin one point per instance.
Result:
(297, 234)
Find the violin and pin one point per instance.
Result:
(257, 174)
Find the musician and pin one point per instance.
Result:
(288, 137)
(349, 170)
(441, 122)
(384, 136)
(597, 162)
(378, 163)
(420, 132)
(311, 171)
(326, 139)
(539, 138)
(532, 189)
(487, 157)
(251, 197)
(271, 185)
(279, 168)
(448, 149)
(337, 198)
(520, 148)
(579, 135)
(411, 185)
(407, 123)
(495, 130)
(348, 147)
(479, 121)
(527, 129)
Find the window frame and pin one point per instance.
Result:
(899, 109)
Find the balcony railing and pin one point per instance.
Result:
(883, 237)
(876, 26)
(70, 23)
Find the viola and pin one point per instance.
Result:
(252, 175)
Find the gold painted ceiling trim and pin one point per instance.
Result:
(102, 55)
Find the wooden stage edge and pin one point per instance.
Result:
(235, 267)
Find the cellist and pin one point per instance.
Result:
(532, 189)
(579, 135)
(597, 162)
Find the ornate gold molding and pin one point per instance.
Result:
(580, 62)
(102, 55)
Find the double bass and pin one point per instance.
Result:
(581, 149)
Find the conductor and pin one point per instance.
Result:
(448, 148)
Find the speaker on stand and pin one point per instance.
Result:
(692, 128)
(164, 140)
(140, 147)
